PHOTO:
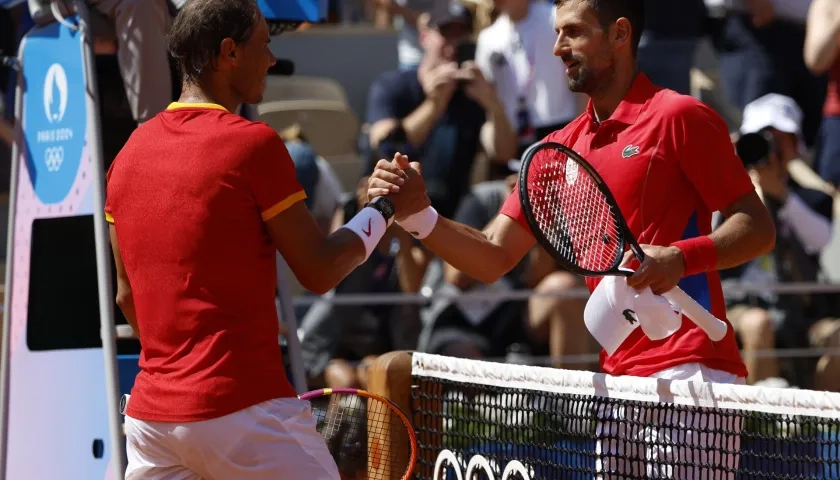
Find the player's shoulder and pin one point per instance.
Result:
(674, 105)
(569, 132)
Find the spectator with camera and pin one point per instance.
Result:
(442, 113)
(770, 138)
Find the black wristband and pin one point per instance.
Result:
(383, 206)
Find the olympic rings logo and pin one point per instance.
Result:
(514, 470)
(53, 158)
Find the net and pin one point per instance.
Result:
(480, 420)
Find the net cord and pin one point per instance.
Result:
(699, 394)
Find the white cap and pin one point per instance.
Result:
(614, 310)
(772, 110)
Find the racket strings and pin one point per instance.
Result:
(359, 435)
(572, 211)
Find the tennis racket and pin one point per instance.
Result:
(369, 436)
(574, 216)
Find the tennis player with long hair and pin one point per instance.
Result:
(199, 201)
(668, 160)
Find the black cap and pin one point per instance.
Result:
(455, 12)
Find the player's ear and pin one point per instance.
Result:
(622, 33)
(227, 50)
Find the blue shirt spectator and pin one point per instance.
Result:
(449, 150)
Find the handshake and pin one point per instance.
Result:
(401, 182)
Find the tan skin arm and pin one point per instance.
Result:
(125, 300)
(318, 261)
(482, 255)
(748, 232)
(411, 260)
(822, 38)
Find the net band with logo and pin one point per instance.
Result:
(515, 422)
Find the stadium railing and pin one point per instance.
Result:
(541, 423)
(426, 295)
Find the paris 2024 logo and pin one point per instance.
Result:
(55, 115)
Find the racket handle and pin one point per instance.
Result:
(714, 327)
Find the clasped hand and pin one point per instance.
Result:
(402, 182)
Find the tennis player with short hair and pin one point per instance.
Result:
(200, 200)
(668, 160)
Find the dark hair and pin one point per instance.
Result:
(609, 11)
(199, 28)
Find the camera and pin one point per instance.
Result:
(754, 149)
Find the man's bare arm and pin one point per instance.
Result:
(747, 232)
(822, 35)
(497, 136)
(318, 261)
(484, 256)
(417, 125)
(125, 300)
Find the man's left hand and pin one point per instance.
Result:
(661, 271)
(476, 86)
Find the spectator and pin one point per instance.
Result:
(493, 328)
(822, 44)
(669, 40)
(335, 337)
(442, 113)
(409, 48)
(770, 139)
(760, 45)
(141, 27)
(514, 53)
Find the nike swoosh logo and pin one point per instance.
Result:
(367, 232)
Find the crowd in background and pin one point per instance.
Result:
(477, 83)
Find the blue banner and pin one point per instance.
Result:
(312, 11)
(55, 114)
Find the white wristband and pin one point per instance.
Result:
(421, 224)
(370, 226)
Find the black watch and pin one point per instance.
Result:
(383, 206)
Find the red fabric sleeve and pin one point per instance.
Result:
(707, 155)
(513, 209)
(270, 174)
(513, 206)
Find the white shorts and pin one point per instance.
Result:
(271, 440)
(646, 442)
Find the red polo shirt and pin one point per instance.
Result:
(188, 195)
(669, 162)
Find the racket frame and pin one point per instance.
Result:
(625, 236)
(412, 435)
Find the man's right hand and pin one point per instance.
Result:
(401, 176)
(440, 83)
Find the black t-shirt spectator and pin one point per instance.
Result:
(448, 153)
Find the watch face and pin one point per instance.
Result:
(385, 207)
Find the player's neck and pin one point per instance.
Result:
(607, 100)
(519, 12)
(194, 93)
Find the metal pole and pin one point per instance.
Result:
(103, 249)
(5, 335)
(286, 313)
